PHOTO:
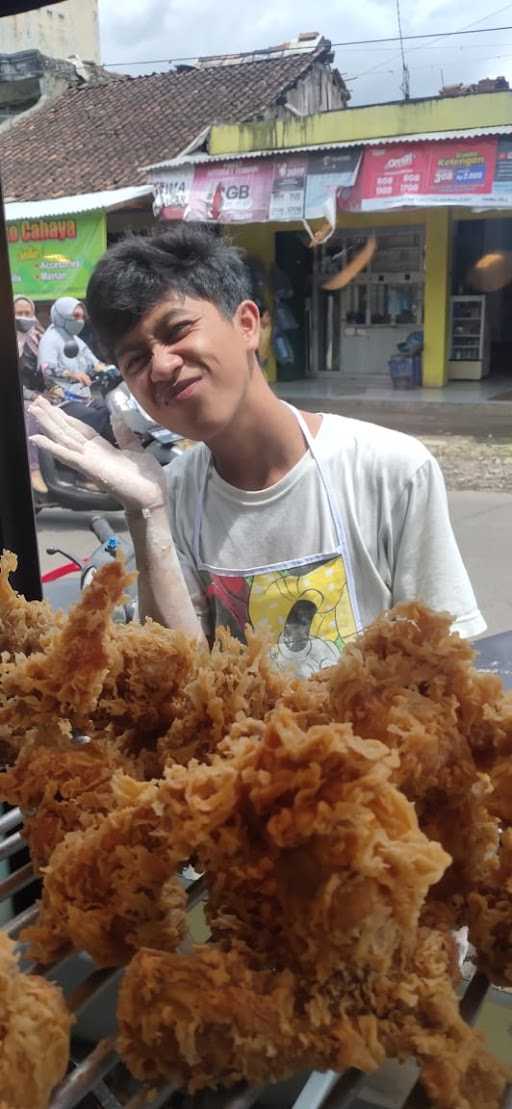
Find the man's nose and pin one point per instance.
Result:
(164, 362)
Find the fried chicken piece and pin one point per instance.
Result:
(109, 890)
(64, 680)
(233, 681)
(34, 1034)
(60, 793)
(317, 875)
(207, 1018)
(149, 666)
(24, 625)
(321, 816)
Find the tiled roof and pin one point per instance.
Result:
(100, 136)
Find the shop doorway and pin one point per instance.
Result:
(474, 239)
(292, 290)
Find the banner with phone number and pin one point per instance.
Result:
(55, 257)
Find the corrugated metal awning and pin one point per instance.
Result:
(73, 205)
(426, 136)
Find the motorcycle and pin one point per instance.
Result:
(63, 585)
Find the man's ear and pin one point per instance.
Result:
(247, 319)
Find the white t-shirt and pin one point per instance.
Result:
(390, 493)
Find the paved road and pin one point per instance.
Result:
(483, 526)
(482, 522)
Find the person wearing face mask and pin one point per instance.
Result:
(71, 370)
(67, 321)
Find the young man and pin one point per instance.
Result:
(306, 526)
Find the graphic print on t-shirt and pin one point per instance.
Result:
(307, 613)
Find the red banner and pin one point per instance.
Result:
(423, 174)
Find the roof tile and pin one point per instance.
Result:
(100, 136)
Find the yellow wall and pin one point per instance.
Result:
(373, 122)
(437, 296)
(258, 239)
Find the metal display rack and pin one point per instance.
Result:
(99, 1062)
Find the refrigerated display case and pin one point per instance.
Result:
(468, 355)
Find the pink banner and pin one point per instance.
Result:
(237, 192)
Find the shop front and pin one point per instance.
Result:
(430, 211)
(54, 244)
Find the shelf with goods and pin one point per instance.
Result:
(468, 356)
(363, 322)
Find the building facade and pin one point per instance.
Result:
(432, 189)
(57, 31)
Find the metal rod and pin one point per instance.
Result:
(147, 1099)
(91, 987)
(474, 998)
(10, 820)
(316, 1089)
(343, 1093)
(11, 845)
(196, 892)
(83, 1079)
(17, 881)
(44, 970)
(243, 1098)
(21, 921)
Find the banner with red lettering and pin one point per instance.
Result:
(50, 258)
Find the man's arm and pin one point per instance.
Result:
(426, 561)
(136, 480)
(163, 594)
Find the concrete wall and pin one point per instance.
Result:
(58, 31)
(374, 122)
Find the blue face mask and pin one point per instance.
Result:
(74, 327)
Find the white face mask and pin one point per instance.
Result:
(24, 323)
(74, 327)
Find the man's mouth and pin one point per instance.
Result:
(166, 393)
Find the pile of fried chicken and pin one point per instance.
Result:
(346, 825)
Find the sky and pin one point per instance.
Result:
(148, 30)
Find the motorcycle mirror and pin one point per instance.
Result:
(71, 349)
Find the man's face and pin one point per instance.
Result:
(188, 366)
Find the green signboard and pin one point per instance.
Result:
(51, 258)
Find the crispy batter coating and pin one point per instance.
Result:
(65, 679)
(231, 682)
(317, 872)
(60, 792)
(24, 625)
(34, 1034)
(109, 890)
(345, 824)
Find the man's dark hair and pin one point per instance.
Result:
(138, 272)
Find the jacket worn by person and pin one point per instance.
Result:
(55, 364)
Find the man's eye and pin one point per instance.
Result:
(134, 364)
(177, 331)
